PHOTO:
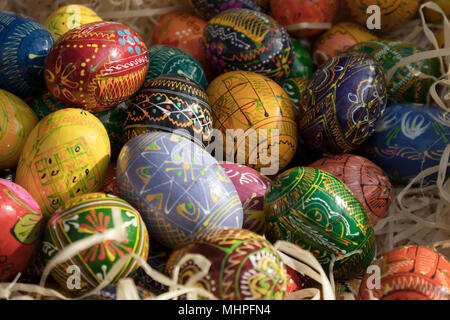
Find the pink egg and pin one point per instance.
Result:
(251, 187)
(20, 229)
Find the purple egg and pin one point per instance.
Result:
(344, 99)
(251, 187)
(177, 186)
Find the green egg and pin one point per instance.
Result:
(315, 210)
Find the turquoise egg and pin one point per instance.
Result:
(169, 60)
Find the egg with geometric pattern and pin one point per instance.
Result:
(177, 186)
(82, 217)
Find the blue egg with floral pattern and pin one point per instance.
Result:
(408, 139)
(24, 46)
(169, 60)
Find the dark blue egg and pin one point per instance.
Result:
(24, 46)
(408, 139)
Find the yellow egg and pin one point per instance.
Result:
(394, 13)
(256, 118)
(65, 155)
(17, 120)
(69, 17)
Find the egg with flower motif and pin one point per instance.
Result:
(169, 60)
(88, 215)
(410, 272)
(21, 224)
(244, 265)
(241, 39)
(368, 182)
(17, 120)
(24, 46)
(251, 187)
(65, 155)
(96, 66)
(344, 99)
(170, 103)
(408, 139)
(69, 17)
(177, 186)
(315, 210)
(409, 83)
(207, 9)
(300, 16)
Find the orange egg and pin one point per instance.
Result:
(184, 31)
(338, 39)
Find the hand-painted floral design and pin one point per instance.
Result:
(111, 249)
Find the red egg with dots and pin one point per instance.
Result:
(96, 66)
(368, 182)
(294, 15)
(20, 229)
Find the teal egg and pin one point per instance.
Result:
(169, 60)
(302, 67)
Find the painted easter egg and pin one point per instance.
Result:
(17, 120)
(251, 187)
(24, 46)
(393, 13)
(240, 39)
(368, 182)
(406, 85)
(169, 60)
(410, 273)
(295, 89)
(408, 139)
(20, 229)
(177, 186)
(68, 17)
(170, 103)
(65, 155)
(341, 37)
(244, 265)
(87, 215)
(432, 15)
(300, 16)
(110, 183)
(245, 104)
(182, 30)
(112, 119)
(96, 66)
(207, 9)
(315, 210)
(302, 67)
(343, 101)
